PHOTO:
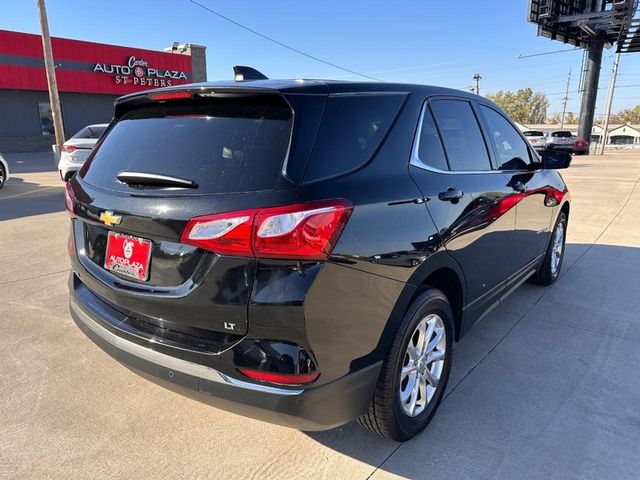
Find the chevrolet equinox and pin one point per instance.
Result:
(307, 252)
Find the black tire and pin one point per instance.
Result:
(386, 416)
(3, 176)
(546, 275)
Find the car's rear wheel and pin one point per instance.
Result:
(415, 373)
(3, 176)
(549, 270)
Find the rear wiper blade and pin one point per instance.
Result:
(154, 180)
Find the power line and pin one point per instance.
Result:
(284, 45)
(519, 56)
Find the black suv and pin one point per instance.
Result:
(306, 252)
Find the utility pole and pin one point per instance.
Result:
(607, 108)
(564, 103)
(477, 78)
(54, 99)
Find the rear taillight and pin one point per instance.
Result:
(68, 148)
(68, 199)
(280, 378)
(305, 231)
(556, 195)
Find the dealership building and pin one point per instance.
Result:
(90, 77)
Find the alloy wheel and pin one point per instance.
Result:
(558, 247)
(422, 365)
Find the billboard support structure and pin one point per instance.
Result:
(590, 94)
(592, 25)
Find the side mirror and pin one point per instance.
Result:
(555, 160)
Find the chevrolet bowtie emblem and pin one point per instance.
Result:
(108, 218)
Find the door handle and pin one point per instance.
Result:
(451, 195)
(519, 187)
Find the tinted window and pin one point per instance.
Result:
(430, 151)
(90, 132)
(352, 128)
(226, 146)
(512, 150)
(561, 134)
(461, 135)
(533, 133)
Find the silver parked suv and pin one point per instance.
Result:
(560, 140)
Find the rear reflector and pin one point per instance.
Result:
(280, 378)
(304, 231)
(169, 95)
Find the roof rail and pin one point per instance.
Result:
(242, 73)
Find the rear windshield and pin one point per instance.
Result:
(561, 134)
(224, 145)
(533, 133)
(92, 131)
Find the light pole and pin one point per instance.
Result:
(477, 78)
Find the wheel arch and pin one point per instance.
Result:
(439, 271)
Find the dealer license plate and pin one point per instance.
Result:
(128, 256)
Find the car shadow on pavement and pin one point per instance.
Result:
(36, 162)
(521, 400)
(24, 199)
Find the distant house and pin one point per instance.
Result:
(596, 133)
(624, 135)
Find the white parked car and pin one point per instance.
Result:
(75, 151)
(4, 171)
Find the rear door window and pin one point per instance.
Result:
(225, 146)
(430, 151)
(352, 129)
(461, 135)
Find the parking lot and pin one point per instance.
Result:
(546, 386)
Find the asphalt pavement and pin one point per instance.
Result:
(546, 386)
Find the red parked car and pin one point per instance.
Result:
(580, 147)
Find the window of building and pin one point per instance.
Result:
(46, 118)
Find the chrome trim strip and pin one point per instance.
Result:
(173, 363)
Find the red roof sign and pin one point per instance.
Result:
(87, 67)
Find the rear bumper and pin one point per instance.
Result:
(70, 164)
(315, 408)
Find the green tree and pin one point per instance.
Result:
(631, 115)
(523, 105)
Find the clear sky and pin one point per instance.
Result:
(433, 42)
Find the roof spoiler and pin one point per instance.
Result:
(242, 74)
